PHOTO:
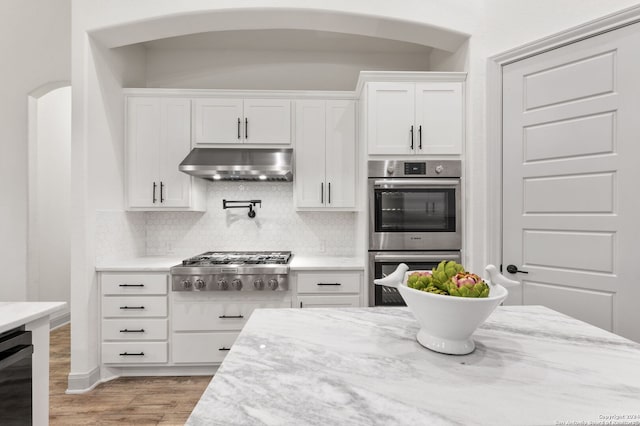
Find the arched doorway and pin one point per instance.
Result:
(49, 154)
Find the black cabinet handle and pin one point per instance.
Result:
(131, 285)
(231, 316)
(328, 284)
(420, 136)
(224, 349)
(512, 269)
(128, 354)
(411, 137)
(132, 331)
(246, 128)
(329, 198)
(238, 127)
(301, 304)
(154, 193)
(321, 192)
(131, 307)
(161, 192)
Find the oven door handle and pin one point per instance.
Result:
(415, 183)
(414, 257)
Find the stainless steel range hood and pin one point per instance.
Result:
(239, 164)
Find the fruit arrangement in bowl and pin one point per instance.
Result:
(448, 302)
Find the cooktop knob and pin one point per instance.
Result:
(236, 284)
(199, 284)
(258, 284)
(186, 284)
(439, 168)
(223, 284)
(273, 283)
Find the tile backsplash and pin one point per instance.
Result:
(277, 226)
(120, 234)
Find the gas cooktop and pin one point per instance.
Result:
(239, 258)
(232, 270)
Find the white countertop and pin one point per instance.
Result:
(363, 366)
(15, 314)
(310, 263)
(163, 263)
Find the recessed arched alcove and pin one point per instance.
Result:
(277, 48)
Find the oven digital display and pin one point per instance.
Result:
(415, 168)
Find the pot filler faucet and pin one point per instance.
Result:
(250, 204)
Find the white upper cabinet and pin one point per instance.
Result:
(415, 118)
(158, 139)
(248, 121)
(325, 154)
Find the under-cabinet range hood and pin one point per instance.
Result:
(239, 164)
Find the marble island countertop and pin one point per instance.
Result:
(15, 314)
(363, 366)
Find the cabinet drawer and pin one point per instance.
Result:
(134, 329)
(141, 306)
(216, 316)
(134, 352)
(119, 284)
(329, 282)
(328, 301)
(201, 347)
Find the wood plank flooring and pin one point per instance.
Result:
(123, 401)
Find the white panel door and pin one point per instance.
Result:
(570, 179)
(217, 121)
(143, 135)
(390, 118)
(310, 153)
(439, 118)
(267, 121)
(175, 145)
(341, 153)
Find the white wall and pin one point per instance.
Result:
(494, 25)
(271, 69)
(35, 50)
(49, 240)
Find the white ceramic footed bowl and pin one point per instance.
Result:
(447, 322)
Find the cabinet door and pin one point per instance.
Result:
(439, 117)
(217, 121)
(310, 153)
(340, 154)
(390, 117)
(267, 121)
(339, 301)
(175, 145)
(143, 134)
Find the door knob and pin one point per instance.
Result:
(512, 269)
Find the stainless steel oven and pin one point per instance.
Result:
(415, 217)
(414, 205)
(383, 263)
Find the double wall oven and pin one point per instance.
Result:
(414, 218)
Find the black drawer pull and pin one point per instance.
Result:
(131, 285)
(131, 307)
(231, 316)
(329, 284)
(132, 331)
(224, 349)
(128, 354)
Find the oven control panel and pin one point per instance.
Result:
(414, 169)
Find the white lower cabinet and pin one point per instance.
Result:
(204, 326)
(134, 318)
(328, 289)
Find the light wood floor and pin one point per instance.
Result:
(123, 401)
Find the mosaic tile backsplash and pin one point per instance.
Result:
(120, 234)
(277, 226)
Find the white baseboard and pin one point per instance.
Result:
(78, 383)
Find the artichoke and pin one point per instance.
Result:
(464, 284)
(420, 280)
(444, 272)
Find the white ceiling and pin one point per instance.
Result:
(286, 39)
